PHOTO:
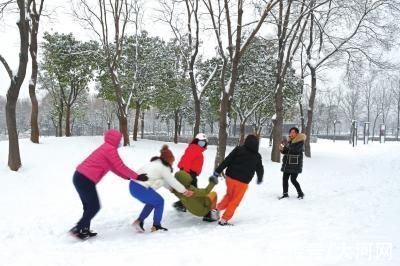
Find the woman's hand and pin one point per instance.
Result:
(188, 193)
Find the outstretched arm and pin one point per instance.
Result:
(118, 167)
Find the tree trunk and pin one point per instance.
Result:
(168, 127)
(180, 125)
(68, 121)
(373, 129)
(257, 132)
(222, 134)
(234, 126)
(136, 122)
(310, 111)
(196, 128)
(14, 158)
(123, 128)
(242, 131)
(32, 84)
(176, 126)
(60, 119)
(35, 109)
(278, 125)
(142, 126)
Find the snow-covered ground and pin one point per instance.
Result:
(350, 214)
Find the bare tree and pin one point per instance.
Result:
(291, 22)
(246, 110)
(331, 109)
(16, 80)
(137, 9)
(386, 100)
(109, 22)
(365, 31)
(368, 93)
(55, 100)
(352, 103)
(189, 43)
(376, 109)
(237, 46)
(35, 11)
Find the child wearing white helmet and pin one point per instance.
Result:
(192, 161)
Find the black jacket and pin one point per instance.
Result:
(243, 161)
(292, 162)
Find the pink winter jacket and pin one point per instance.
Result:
(106, 158)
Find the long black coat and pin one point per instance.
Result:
(292, 162)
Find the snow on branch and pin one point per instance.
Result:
(256, 105)
(202, 89)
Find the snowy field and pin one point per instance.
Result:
(350, 214)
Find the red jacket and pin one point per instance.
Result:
(106, 158)
(192, 159)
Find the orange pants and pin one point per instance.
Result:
(235, 191)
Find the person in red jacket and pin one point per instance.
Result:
(91, 171)
(192, 162)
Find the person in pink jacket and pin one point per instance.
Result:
(91, 171)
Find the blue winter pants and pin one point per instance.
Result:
(88, 195)
(151, 199)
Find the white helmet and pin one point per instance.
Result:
(201, 136)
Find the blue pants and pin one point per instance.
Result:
(151, 199)
(90, 200)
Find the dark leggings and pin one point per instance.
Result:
(90, 200)
(293, 179)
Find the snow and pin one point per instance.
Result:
(312, 62)
(349, 216)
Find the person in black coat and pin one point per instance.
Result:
(242, 163)
(292, 163)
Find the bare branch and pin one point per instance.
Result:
(6, 66)
(267, 11)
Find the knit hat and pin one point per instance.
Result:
(166, 154)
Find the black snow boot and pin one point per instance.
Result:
(82, 234)
(179, 206)
(300, 196)
(158, 228)
(222, 222)
(284, 195)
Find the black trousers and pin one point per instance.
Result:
(90, 200)
(293, 179)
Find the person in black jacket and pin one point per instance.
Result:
(292, 163)
(241, 164)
